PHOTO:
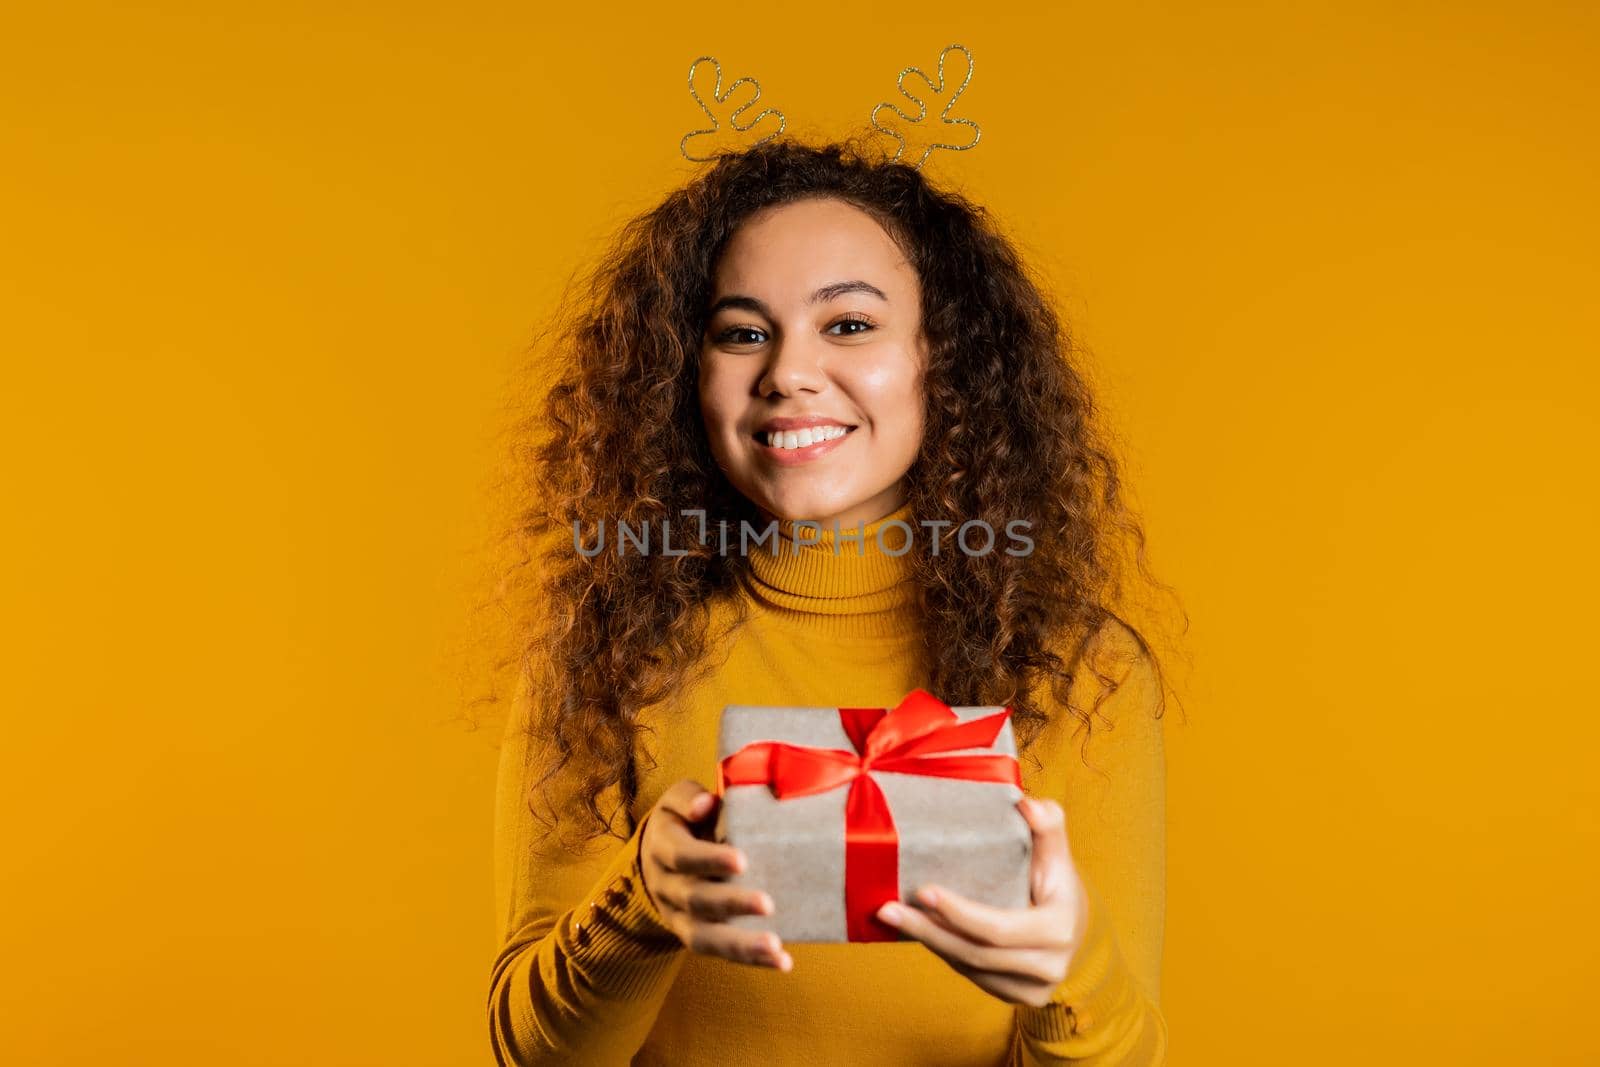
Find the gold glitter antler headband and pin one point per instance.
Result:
(922, 108)
(720, 97)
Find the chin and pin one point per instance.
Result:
(821, 509)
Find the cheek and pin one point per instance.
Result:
(720, 400)
(891, 393)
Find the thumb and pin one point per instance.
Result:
(1051, 870)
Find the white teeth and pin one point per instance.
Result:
(801, 438)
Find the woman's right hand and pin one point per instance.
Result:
(683, 873)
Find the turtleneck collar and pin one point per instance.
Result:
(860, 590)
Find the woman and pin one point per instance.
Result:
(789, 287)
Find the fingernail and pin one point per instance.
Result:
(928, 896)
(891, 913)
(764, 904)
(785, 962)
(701, 805)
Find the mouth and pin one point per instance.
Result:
(801, 446)
(793, 440)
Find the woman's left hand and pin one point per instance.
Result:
(1020, 955)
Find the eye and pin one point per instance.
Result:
(854, 320)
(730, 335)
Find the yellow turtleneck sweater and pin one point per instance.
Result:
(588, 974)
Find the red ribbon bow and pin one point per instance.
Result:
(907, 740)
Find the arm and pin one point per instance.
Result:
(585, 959)
(1107, 1009)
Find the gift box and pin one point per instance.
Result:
(840, 810)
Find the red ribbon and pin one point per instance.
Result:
(907, 740)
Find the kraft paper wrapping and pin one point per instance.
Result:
(966, 836)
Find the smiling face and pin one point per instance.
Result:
(811, 364)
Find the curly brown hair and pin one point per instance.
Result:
(1009, 435)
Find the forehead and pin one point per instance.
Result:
(782, 250)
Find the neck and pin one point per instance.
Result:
(856, 583)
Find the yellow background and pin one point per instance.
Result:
(265, 266)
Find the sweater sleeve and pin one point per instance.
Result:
(585, 959)
(1107, 1010)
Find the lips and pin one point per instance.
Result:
(800, 422)
(805, 444)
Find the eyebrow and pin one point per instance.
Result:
(827, 292)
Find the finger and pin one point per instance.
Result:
(1035, 964)
(759, 948)
(672, 894)
(680, 851)
(1008, 987)
(688, 800)
(714, 901)
(987, 925)
(1052, 858)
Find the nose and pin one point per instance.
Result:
(794, 365)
